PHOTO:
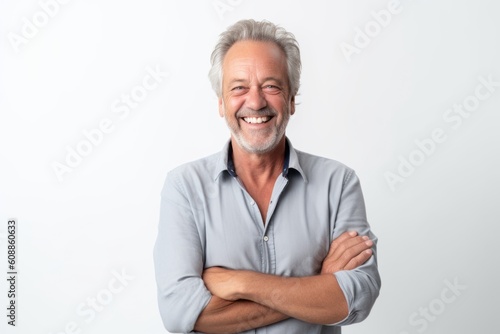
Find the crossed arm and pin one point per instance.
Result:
(244, 300)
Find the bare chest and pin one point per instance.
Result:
(262, 196)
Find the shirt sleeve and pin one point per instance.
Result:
(178, 260)
(361, 286)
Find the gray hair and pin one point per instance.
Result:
(258, 31)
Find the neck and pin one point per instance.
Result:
(259, 168)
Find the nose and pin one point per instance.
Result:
(255, 99)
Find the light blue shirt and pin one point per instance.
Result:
(208, 219)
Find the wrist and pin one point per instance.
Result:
(243, 282)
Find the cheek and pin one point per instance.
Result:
(279, 105)
(234, 104)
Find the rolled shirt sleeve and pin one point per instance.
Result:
(361, 286)
(178, 259)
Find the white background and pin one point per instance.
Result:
(440, 224)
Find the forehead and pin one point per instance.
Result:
(255, 57)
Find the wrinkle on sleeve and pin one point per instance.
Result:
(178, 260)
(361, 286)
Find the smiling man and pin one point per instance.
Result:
(261, 237)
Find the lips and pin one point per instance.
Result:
(257, 120)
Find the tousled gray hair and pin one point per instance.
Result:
(258, 31)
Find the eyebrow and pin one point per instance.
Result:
(278, 81)
(234, 81)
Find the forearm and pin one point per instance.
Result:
(315, 299)
(222, 316)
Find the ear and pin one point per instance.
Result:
(292, 105)
(221, 107)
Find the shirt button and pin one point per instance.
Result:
(266, 238)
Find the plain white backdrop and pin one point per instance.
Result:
(375, 87)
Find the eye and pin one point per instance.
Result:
(272, 88)
(238, 90)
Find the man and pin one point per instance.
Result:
(262, 238)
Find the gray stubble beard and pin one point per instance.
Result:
(269, 145)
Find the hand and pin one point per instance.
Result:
(347, 252)
(222, 282)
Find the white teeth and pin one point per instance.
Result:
(257, 120)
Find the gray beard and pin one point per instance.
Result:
(269, 144)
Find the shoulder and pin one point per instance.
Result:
(191, 176)
(314, 167)
(310, 160)
(201, 166)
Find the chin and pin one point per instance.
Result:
(260, 147)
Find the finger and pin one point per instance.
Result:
(359, 260)
(343, 237)
(352, 252)
(359, 243)
(344, 256)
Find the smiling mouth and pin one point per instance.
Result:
(257, 120)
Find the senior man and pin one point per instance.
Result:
(261, 237)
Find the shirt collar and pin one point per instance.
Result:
(225, 161)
